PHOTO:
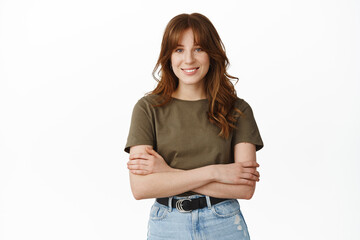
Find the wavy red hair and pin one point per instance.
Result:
(220, 91)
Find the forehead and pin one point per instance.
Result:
(188, 37)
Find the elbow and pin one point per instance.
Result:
(141, 191)
(138, 187)
(248, 194)
(138, 194)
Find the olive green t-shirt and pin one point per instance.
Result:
(182, 134)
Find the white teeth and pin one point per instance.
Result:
(191, 70)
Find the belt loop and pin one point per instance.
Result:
(170, 203)
(208, 202)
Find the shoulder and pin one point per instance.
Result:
(242, 105)
(147, 102)
(147, 105)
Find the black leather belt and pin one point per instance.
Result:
(188, 204)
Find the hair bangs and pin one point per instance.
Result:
(201, 35)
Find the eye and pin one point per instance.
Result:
(198, 49)
(179, 50)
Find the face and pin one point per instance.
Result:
(189, 62)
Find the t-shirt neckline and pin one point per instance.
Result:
(183, 100)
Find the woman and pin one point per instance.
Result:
(192, 141)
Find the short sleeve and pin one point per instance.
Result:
(142, 129)
(246, 127)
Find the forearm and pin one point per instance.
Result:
(221, 190)
(164, 184)
(151, 177)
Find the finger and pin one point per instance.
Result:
(138, 162)
(146, 169)
(151, 151)
(138, 156)
(136, 167)
(139, 172)
(242, 181)
(249, 176)
(252, 171)
(250, 164)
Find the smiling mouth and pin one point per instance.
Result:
(190, 70)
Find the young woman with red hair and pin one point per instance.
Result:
(192, 141)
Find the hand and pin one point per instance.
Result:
(242, 173)
(147, 163)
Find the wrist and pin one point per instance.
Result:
(175, 170)
(213, 173)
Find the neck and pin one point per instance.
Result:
(189, 92)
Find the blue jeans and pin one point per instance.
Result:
(221, 221)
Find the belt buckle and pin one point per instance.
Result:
(179, 205)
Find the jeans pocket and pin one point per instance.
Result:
(226, 208)
(158, 211)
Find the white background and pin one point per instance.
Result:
(72, 70)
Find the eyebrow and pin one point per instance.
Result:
(196, 45)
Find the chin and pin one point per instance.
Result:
(196, 82)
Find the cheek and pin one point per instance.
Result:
(205, 59)
(206, 65)
(174, 65)
(206, 62)
(174, 60)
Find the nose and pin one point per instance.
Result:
(189, 57)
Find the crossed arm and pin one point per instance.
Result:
(151, 177)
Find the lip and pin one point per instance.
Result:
(190, 71)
